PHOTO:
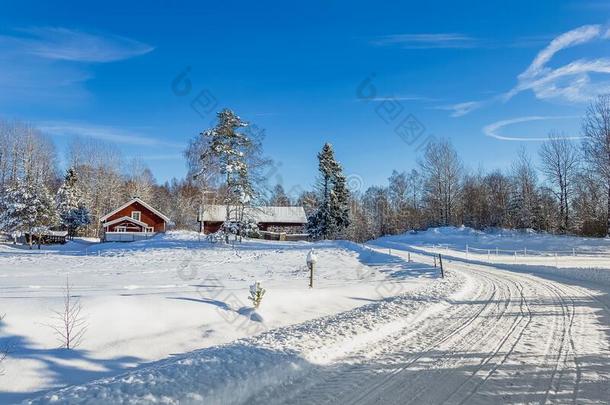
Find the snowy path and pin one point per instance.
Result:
(515, 338)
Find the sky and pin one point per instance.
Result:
(379, 80)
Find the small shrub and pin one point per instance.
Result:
(256, 294)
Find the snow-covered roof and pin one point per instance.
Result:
(47, 232)
(285, 215)
(130, 219)
(134, 200)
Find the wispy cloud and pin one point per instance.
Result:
(493, 130)
(427, 41)
(103, 132)
(406, 97)
(59, 43)
(455, 41)
(461, 109)
(42, 64)
(571, 82)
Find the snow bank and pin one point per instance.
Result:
(234, 372)
(509, 240)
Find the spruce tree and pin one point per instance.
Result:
(331, 218)
(70, 206)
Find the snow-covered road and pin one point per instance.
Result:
(512, 338)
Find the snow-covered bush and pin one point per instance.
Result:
(256, 294)
(249, 228)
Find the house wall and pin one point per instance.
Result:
(146, 216)
(126, 237)
(280, 226)
(211, 227)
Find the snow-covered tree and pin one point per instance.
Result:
(140, 181)
(331, 217)
(70, 204)
(279, 197)
(98, 166)
(229, 149)
(27, 207)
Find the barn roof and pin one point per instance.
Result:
(134, 200)
(284, 215)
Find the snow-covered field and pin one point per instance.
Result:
(148, 300)
(376, 328)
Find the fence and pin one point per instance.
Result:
(580, 257)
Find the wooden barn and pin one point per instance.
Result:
(134, 220)
(288, 220)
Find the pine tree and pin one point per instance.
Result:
(70, 205)
(27, 207)
(331, 218)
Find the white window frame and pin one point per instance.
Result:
(139, 218)
(120, 229)
(150, 229)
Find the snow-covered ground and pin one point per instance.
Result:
(557, 256)
(148, 300)
(375, 329)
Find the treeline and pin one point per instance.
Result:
(568, 191)
(104, 179)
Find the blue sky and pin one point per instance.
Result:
(352, 73)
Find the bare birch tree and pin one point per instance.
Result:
(442, 169)
(596, 145)
(560, 161)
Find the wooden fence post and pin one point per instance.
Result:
(311, 266)
(440, 260)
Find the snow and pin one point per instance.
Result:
(568, 257)
(147, 300)
(495, 329)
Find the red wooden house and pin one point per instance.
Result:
(134, 220)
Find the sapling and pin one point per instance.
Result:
(70, 326)
(256, 294)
